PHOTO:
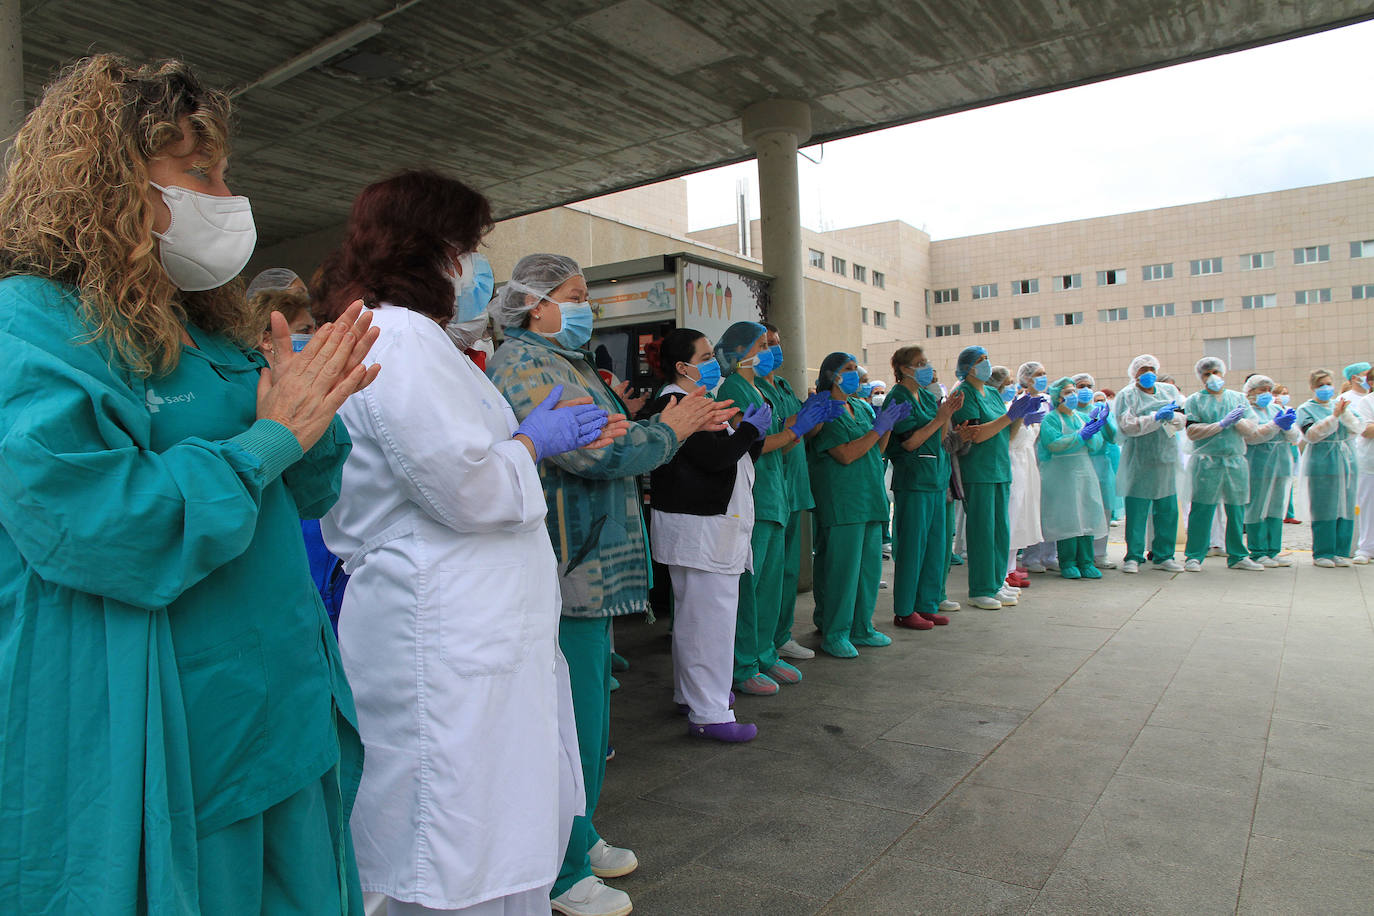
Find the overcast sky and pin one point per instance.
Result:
(1281, 116)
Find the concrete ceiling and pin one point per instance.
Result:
(544, 103)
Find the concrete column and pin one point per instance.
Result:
(12, 108)
(775, 129)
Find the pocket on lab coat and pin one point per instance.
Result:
(224, 691)
(485, 621)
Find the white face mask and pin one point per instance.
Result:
(467, 333)
(209, 240)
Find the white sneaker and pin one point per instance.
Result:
(794, 649)
(986, 603)
(887, 553)
(1324, 562)
(1104, 563)
(1052, 566)
(1360, 559)
(1216, 551)
(1282, 559)
(947, 605)
(1344, 561)
(1246, 563)
(1014, 589)
(1035, 568)
(1007, 598)
(590, 897)
(1130, 567)
(611, 861)
(1267, 562)
(882, 583)
(1193, 566)
(1170, 566)
(1115, 523)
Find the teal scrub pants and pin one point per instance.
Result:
(920, 551)
(849, 565)
(1200, 532)
(988, 532)
(586, 644)
(1138, 511)
(791, 570)
(1332, 538)
(1076, 552)
(1265, 537)
(760, 602)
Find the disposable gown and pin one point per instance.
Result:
(1103, 460)
(1218, 471)
(1149, 448)
(1071, 499)
(1329, 462)
(166, 665)
(1023, 505)
(1270, 459)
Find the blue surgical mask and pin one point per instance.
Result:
(776, 350)
(1085, 397)
(472, 287)
(708, 374)
(1008, 394)
(982, 371)
(577, 325)
(298, 342)
(1147, 380)
(924, 375)
(866, 390)
(763, 362)
(849, 381)
(1324, 392)
(1215, 383)
(1042, 383)
(1284, 399)
(1264, 399)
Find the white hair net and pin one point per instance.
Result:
(270, 279)
(1082, 377)
(1025, 375)
(1258, 381)
(999, 375)
(535, 275)
(1141, 362)
(1209, 364)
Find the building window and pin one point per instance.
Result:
(837, 265)
(1111, 314)
(1362, 292)
(985, 291)
(1068, 281)
(929, 331)
(1259, 260)
(1263, 301)
(863, 315)
(1363, 249)
(1313, 254)
(1157, 272)
(1312, 296)
(1111, 277)
(946, 295)
(946, 330)
(879, 319)
(1064, 319)
(1025, 287)
(1207, 306)
(1237, 352)
(817, 258)
(1204, 267)
(860, 273)
(865, 354)
(880, 279)
(896, 308)
(986, 327)
(1027, 323)
(1163, 310)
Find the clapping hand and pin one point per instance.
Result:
(1024, 405)
(1231, 418)
(892, 413)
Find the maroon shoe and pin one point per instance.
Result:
(940, 620)
(914, 622)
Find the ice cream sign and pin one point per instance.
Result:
(714, 298)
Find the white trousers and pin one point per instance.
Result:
(704, 609)
(527, 903)
(1041, 554)
(1364, 498)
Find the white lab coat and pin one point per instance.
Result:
(449, 633)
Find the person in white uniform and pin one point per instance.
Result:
(449, 626)
(1361, 378)
(1023, 506)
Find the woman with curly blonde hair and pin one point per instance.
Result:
(176, 735)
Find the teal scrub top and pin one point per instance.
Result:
(167, 666)
(990, 461)
(772, 502)
(847, 494)
(927, 466)
(794, 460)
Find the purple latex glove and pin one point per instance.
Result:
(1286, 418)
(554, 430)
(818, 409)
(759, 416)
(892, 413)
(1023, 406)
(1231, 418)
(1040, 414)
(1099, 412)
(1092, 428)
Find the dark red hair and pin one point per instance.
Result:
(403, 232)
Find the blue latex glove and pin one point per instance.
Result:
(892, 413)
(1231, 418)
(1039, 415)
(555, 430)
(1091, 428)
(759, 416)
(1165, 413)
(818, 409)
(1023, 406)
(1099, 412)
(1286, 419)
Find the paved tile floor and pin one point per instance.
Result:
(1190, 743)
